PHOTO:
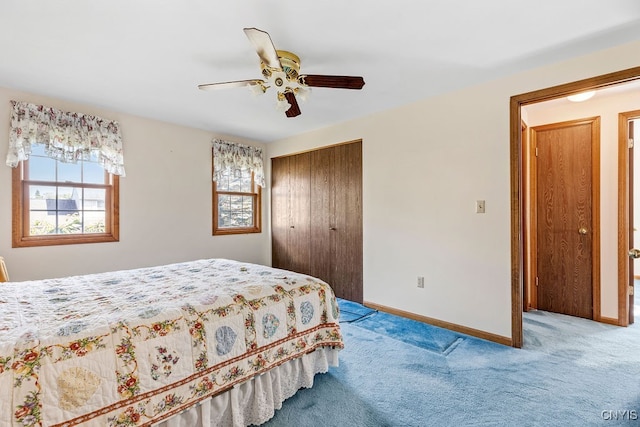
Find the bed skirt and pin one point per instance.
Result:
(255, 401)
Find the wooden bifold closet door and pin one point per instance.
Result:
(316, 202)
(290, 212)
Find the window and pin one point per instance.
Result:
(238, 178)
(56, 203)
(236, 202)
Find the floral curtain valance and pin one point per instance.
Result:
(67, 136)
(237, 157)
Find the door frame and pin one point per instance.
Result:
(624, 200)
(516, 178)
(528, 300)
(530, 232)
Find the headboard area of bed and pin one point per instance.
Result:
(137, 347)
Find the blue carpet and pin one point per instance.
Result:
(412, 332)
(571, 372)
(352, 311)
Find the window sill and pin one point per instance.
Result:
(32, 241)
(230, 231)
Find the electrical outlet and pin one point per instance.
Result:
(420, 281)
(480, 205)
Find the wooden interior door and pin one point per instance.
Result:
(566, 227)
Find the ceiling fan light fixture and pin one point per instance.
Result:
(582, 96)
(303, 93)
(258, 89)
(282, 105)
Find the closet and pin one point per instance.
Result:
(316, 216)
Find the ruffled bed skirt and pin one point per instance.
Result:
(255, 401)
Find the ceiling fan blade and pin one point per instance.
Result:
(227, 85)
(263, 45)
(294, 110)
(338, 82)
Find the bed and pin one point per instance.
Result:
(208, 342)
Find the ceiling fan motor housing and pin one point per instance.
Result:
(285, 79)
(290, 65)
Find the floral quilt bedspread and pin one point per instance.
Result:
(134, 347)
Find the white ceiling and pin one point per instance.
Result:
(146, 57)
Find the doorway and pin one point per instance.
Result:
(517, 178)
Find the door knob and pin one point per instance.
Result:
(582, 230)
(634, 253)
(332, 228)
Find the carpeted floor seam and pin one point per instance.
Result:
(440, 352)
(452, 346)
(350, 313)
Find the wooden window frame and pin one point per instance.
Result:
(20, 213)
(257, 210)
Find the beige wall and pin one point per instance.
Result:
(425, 165)
(607, 108)
(165, 203)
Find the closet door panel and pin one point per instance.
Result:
(280, 217)
(322, 183)
(299, 235)
(346, 244)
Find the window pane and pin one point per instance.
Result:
(244, 182)
(94, 222)
(69, 172)
(42, 169)
(224, 211)
(222, 183)
(247, 210)
(237, 181)
(38, 194)
(69, 199)
(93, 173)
(69, 222)
(94, 199)
(38, 150)
(40, 223)
(235, 211)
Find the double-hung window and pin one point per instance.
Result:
(237, 192)
(63, 203)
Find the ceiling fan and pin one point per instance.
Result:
(281, 69)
